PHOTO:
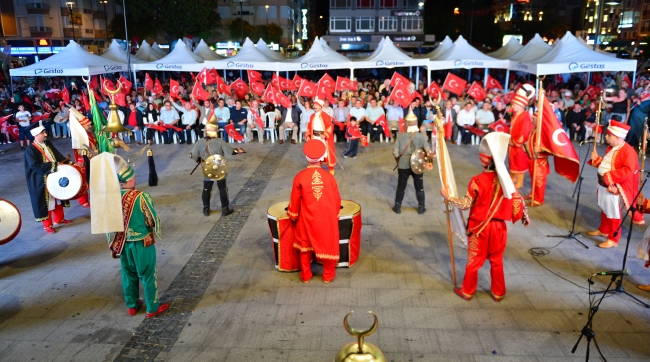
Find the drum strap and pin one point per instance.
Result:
(405, 148)
(46, 153)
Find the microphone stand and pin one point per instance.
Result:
(572, 234)
(586, 331)
(631, 210)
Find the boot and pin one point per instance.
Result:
(420, 196)
(399, 195)
(207, 191)
(225, 208)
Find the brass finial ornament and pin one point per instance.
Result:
(114, 124)
(360, 351)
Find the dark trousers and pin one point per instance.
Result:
(186, 135)
(352, 150)
(465, 135)
(403, 177)
(363, 126)
(223, 192)
(375, 132)
(169, 135)
(579, 133)
(199, 130)
(340, 133)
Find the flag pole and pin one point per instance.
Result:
(538, 129)
(445, 185)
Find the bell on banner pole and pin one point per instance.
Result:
(359, 351)
(114, 124)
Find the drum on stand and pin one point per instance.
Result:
(10, 221)
(287, 258)
(68, 183)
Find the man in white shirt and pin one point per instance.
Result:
(465, 117)
(484, 116)
(341, 113)
(393, 114)
(255, 111)
(169, 116)
(359, 113)
(188, 120)
(222, 114)
(327, 109)
(373, 112)
(23, 118)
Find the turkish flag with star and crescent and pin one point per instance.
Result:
(500, 126)
(381, 121)
(307, 89)
(454, 84)
(401, 95)
(157, 87)
(324, 91)
(254, 76)
(592, 91)
(148, 83)
(258, 120)
(222, 87)
(477, 92)
(508, 97)
(492, 83)
(205, 76)
(65, 95)
(434, 90)
(343, 84)
(282, 99)
(397, 79)
(126, 84)
(230, 129)
(199, 93)
(240, 88)
(328, 82)
(297, 81)
(257, 88)
(554, 140)
(269, 95)
(173, 89)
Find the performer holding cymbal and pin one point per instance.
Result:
(42, 159)
(617, 179)
(321, 127)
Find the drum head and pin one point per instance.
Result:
(349, 209)
(278, 211)
(10, 221)
(66, 183)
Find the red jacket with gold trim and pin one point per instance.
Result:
(315, 205)
(328, 136)
(624, 176)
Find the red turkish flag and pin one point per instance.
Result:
(269, 95)
(555, 141)
(258, 120)
(592, 91)
(282, 99)
(401, 95)
(595, 78)
(282, 83)
(343, 84)
(500, 126)
(328, 82)
(148, 83)
(307, 89)
(297, 81)
(454, 84)
(417, 94)
(173, 88)
(381, 121)
(240, 87)
(120, 99)
(397, 79)
(492, 83)
(199, 93)
(65, 95)
(402, 125)
(222, 87)
(275, 81)
(324, 92)
(558, 78)
(434, 90)
(157, 87)
(85, 101)
(476, 91)
(257, 88)
(126, 84)
(107, 84)
(205, 76)
(508, 97)
(230, 129)
(213, 75)
(627, 79)
(94, 84)
(254, 76)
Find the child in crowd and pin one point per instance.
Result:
(353, 134)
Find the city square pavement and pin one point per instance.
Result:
(61, 296)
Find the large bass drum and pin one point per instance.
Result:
(68, 183)
(10, 221)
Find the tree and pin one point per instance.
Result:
(249, 31)
(271, 33)
(138, 27)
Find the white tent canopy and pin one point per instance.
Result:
(147, 53)
(73, 60)
(248, 57)
(444, 45)
(181, 59)
(331, 51)
(463, 55)
(204, 51)
(318, 58)
(387, 55)
(592, 48)
(570, 56)
(271, 54)
(511, 47)
(535, 49)
(116, 53)
(158, 49)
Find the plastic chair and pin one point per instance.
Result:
(270, 125)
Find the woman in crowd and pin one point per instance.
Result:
(620, 106)
(151, 116)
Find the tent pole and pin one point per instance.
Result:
(588, 78)
(410, 72)
(633, 80)
(241, 74)
(485, 82)
(469, 75)
(417, 76)
(224, 75)
(428, 78)
(351, 73)
(288, 74)
(507, 80)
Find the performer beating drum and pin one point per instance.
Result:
(42, 159)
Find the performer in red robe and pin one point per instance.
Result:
(492, 200)
(321, 126)
(618, 178)
(82, 155)
(520, 128)
(315, 205)
(537, 181)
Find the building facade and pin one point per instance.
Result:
(288, 14)
(28, 24)
(359, 25)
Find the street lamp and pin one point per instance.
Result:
(267, 22)
(471, 24)
(105, 16)
(74, 36)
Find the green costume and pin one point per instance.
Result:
(136, 250)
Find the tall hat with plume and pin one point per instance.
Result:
(524, 95)
(78, 133)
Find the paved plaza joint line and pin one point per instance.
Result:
(159, 334)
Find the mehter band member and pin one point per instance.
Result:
(321, 127)
(315, 205)
(520, 129)
(492, 199)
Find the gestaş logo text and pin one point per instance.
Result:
(468, 63)
(389, 63)
(586, 66)
(48, 71)
(312, 65)
(168, 66)
(112, 67)
(240, 65)
(522, 66)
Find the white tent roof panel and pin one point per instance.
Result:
(248, 57)
(318, 58)
(387, 55)
(146, 53)
(180, 59)
(116, 53)
(511, 47)
(204, 51)
(463, 55)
